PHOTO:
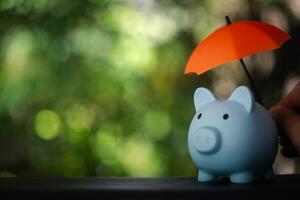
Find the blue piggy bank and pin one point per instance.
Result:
(236, 138)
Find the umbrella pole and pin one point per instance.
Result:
(256, 95)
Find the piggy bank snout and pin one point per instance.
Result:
(207, 140)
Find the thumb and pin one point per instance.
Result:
(289, 121)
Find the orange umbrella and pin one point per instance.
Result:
(233, 42)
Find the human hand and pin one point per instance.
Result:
(287, 116)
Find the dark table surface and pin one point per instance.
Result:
(282, 187)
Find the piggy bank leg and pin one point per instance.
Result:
(269, 175)
(242, 177)
(205, 177)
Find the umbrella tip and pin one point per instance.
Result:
(227, 20)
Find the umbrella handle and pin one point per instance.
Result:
(256, 94)
(253, 87)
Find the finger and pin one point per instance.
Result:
(274, 111)
(287, 149)
(292, 100)
(289, 121)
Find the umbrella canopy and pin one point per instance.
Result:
(233, 42)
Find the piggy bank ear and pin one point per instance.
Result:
(202, 96)
(244, 96)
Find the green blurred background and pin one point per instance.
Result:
(96, 87)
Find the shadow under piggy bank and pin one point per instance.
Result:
(236, 138)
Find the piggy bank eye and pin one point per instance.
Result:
(199, 116)
(225, 116)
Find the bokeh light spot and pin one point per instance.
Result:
(140, 159)
(133, 54)
(79, 117)
(105, 146)
(19, 45)
(47, 124)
